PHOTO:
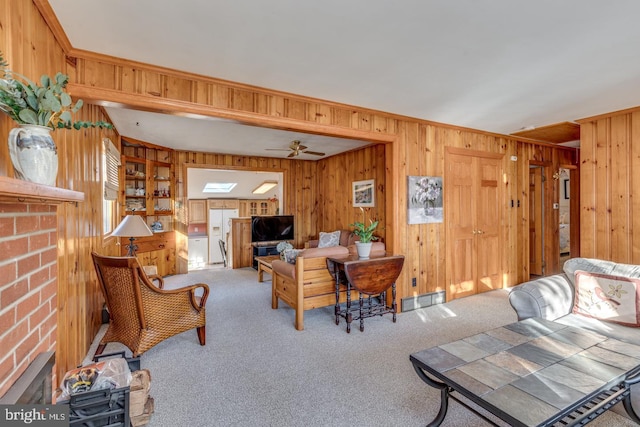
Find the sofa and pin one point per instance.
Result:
(553, 298)
(307, 283)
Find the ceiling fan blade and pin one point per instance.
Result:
(277, 149)
(293, 154)
(314, 153)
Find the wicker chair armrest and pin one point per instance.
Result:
(198, 303)
(160, 280)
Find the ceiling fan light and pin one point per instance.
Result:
(264, 187)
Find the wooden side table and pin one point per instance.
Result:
(264, 265)
(371, 277)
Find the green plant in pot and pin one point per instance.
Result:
(365, 233)
(38, 109)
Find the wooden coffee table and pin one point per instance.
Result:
(533, 373)
(264, 265)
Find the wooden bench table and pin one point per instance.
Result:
(264, 265)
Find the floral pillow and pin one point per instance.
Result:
(610, 298)
(290, 255)
(328, 240)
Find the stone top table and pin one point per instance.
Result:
(533, 373)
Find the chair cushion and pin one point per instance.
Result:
(328, 240)
(609, 298)
(283, 268)
(335, 251)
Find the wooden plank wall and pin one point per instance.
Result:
(609, 184)
(31, 49)
(34, 45)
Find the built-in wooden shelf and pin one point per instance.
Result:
(16, 190)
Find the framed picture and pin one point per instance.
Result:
(364, 193)
(424, 195)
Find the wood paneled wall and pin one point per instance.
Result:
(610, 187)
(34, 43)
(31, 49)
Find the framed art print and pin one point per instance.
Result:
(364, 193)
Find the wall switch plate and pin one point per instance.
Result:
(413, 282)
(514, 158)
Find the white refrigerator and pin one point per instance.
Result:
(219, 228)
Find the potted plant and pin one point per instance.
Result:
(38, 109)
(365, 233)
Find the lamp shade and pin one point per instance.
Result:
(132, 226)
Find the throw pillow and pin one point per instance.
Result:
(290, 255)
(610, 298)
(328, 240)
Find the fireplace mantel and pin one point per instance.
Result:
(15, 190)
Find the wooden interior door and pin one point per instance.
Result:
(488, 224)
(474, 217)
(536, 264)
(459, 208)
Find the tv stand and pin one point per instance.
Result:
(263, 249)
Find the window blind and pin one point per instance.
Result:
(112, 162)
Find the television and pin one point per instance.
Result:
(271, 228)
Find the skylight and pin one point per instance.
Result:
(219, 187)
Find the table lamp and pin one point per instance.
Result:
(132, 226)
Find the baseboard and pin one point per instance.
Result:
(422, 301)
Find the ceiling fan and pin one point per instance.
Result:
(296, 148)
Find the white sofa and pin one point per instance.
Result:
(552, 298)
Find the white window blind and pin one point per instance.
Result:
(112, 161)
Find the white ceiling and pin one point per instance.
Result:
(498, 65)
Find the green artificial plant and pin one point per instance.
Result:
(363, 231)
(46, 104)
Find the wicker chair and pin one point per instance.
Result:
(142, 315)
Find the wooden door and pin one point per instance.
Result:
(488, 224)
(459, 205)
(473, 213)
(535, 221)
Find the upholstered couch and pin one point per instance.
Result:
(553, 298)
(307, 283)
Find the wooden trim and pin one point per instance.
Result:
(474, 153)
(607, 115)
(23, 191)
(115, 98)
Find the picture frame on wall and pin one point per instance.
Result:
(364, 193)
(424, 196)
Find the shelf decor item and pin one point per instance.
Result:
(38, 109)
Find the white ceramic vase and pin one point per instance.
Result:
(364, 249)
(34, 154)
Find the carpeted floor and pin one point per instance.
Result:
(257, 370)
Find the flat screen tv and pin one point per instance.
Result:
(271, 228)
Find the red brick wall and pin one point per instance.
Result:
(28, 286)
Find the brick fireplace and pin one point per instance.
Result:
(28, 274)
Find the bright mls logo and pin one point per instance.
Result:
(34, 415)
